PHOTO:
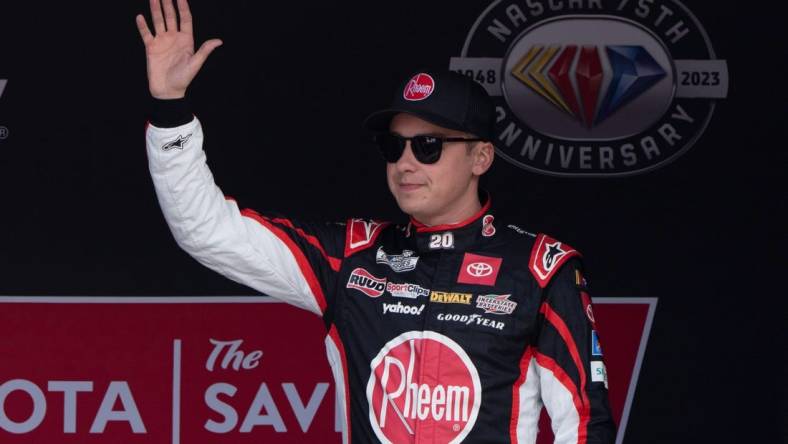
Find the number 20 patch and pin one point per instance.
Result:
(442, 241)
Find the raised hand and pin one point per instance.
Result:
(172, 62)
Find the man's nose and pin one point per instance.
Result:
(407, 161)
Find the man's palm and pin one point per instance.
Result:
(172, 62)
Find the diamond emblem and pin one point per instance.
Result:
(549, 71)
(634, 72)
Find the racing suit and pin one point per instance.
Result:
(452, 333)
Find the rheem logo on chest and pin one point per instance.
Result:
(423, 380)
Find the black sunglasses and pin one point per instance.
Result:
(426, 149)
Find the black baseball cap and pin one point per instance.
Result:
(446, 99)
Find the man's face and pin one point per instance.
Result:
(435, 193)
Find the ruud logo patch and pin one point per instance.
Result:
(363, 281)
(594, 88)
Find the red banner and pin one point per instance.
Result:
(220, 370)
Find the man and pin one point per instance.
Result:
(452, 328)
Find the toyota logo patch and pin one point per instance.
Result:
(479, 270)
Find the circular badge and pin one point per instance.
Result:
(423, 380)
(592, 89)
(419, 87)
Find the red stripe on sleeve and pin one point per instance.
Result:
(335, 263)
(559, 373)
(301, 260)
(559, 324)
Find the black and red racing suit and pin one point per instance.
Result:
(454, 333)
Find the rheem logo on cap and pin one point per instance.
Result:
(419, 87)
(406, 394)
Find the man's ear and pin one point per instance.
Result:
(483, 155)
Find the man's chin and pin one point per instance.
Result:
(411, 206)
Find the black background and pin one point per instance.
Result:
(282, 102)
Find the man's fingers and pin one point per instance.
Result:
(158, 20)
(186, 16)
(205, 50)
(142, 27)
(169, 16)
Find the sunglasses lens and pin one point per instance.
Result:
(390, 146)
(427, 149)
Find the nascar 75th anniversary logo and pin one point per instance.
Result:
(594, 87)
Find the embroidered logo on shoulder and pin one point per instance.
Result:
(398, 262)
(547, 256)
(178, 143)
(361, 234)
(496, 303)
(363, 281)
(551, 256)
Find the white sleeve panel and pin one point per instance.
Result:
(530, 406)
(211, 228)
(560, 405)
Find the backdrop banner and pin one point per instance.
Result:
(207, 369)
